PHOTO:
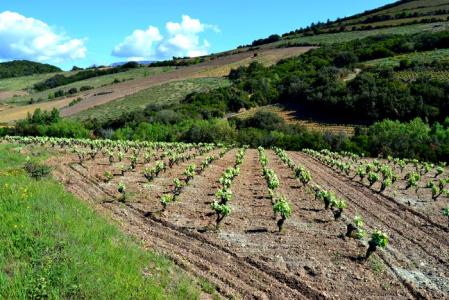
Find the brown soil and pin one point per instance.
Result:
(9, 94)
(247, 258)
(418, 252)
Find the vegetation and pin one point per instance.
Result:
(154, 102)
(48, 236)
(282, 207)
(355, 229)
(446, 213)
(221, 205)
(313, 80)
(395, 15)
(36, 170)
(18, 68)
(378, 239)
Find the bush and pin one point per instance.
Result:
(85, 88)
(218, 130)
(345, 59)
(59, 93)
(72, 91)
(262, 120)
(37, 171)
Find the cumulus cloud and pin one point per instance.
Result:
(139, 44)
(29, 38)
(182, 39)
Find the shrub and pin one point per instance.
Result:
(72, 91)
(36, 170)
(85, 88)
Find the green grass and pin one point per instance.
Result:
(54, 246)
(93, 82)
(167, 93)
(420, 57)
(330, 38)
(24, 82)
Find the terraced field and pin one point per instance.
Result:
(169, 195)
(420, 57)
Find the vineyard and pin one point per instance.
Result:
(267, 222)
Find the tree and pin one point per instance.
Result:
(345, 59)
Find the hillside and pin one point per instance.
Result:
(400, 13)
(91, 97)
(308, 165)
(20, 68)
(104, 89)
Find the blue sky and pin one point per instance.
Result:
(83, 33)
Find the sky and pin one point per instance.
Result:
(100, 32)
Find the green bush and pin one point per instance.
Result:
(36, 170)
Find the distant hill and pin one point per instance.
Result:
(19, 68)
(143, 62)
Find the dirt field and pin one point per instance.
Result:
(10, 113)
(247, 258)
(9, 94)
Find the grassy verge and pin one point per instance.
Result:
(54, 246)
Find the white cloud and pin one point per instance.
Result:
(182, 39)
(29, 38)
(139, 44)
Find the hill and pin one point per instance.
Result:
(19, 68)
(400, 13)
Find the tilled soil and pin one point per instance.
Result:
(247, 257)
(418, 251)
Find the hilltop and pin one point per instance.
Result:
(18, 68)
(400, 13)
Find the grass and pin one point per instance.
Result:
(377, 266)
(167, 93)
(329, 38)
(24, 82)
(94, 82)
(54, 246)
